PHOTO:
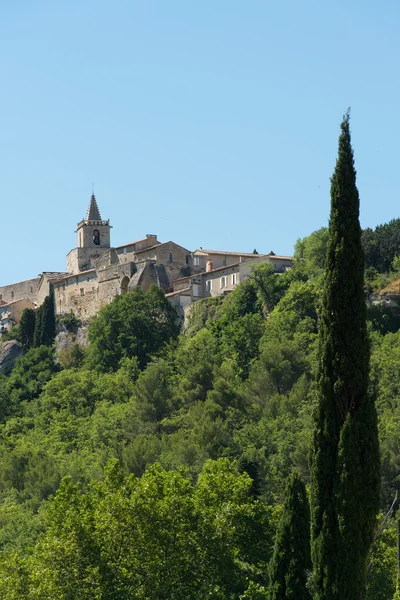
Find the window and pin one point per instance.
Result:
(196, 290)
(196, 261)
(223, 282)
(209, 285)
(12, 294)
(234, 278)
(170, 257)
(96, 237)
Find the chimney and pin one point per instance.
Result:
(209, 266)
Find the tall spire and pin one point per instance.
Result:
(93, 213)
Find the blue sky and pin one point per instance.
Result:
(212, 123)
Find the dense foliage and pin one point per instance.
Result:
(116, 476)
(135, 324)
(381, 245)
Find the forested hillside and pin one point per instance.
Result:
(154, 464)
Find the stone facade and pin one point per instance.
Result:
(23, 289)
(97, 272)
(222, 280)
(34, 290)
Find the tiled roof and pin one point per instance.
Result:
(131, 243)
(250, 254)
(186, 289)
(161, 244)
(149, 248)
(208, 272)
(74, 275)
(15, 301)
(54, 274)
(222, 253)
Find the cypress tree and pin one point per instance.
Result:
(345, 479)
(27, 327)
(38, 331)
(49, 320)
(291, 560)
(45, 326)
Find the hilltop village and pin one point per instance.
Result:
(96, 272)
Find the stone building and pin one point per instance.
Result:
(223, 279)
(10, 313)
(97, 272)
(93, 240)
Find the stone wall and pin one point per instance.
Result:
(77, 294)
(166, 253)
(113, 281)
(24, 289)
(175, 259)
(85, 293)
(221, 281)
(81, 259)
(110, 257)
(127, 253)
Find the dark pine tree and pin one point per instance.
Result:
(291, 560)
(45, 327)
(38, 331)
(345, 479)
(49, 320)
(27, 327)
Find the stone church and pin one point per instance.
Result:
(97, 272)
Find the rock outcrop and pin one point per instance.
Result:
(65, 339)
(9, 352)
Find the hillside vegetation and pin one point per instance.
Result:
(154, 464)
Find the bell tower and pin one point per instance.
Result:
(93, 239)
(92, 231)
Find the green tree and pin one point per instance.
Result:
(270, 285)
(135, 324)
(291, 561)
(72, 357)
(45, 324)
(381, 245)
(28, 378)
(345, 481)
(311, 250)
(27, 327)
